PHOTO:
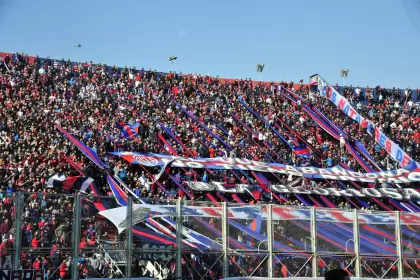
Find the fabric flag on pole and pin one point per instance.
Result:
(74, 183)
(364, 123)
(164, 172)
(255, 193)
(313, 80)
(127, 130)
(284, 271)
(255, 225)
(136, 127)
(55, 179)
(91, 154)
(301, 150)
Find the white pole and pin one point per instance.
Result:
(179, 227)
(225, 241)
(356, 242)
(314, 243)
(270, 240)
(129, 241)
(398, 241)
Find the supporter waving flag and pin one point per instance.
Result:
(136, 127)
(127, 130)
(87, 151)
(74, 183)
(255, 225)
(302, 151)
(164, 172)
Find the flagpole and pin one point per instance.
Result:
(76, 234)
(78, 54)
(129, 241)
(179, 235)
(18, 200)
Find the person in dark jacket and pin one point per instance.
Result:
(337, 274)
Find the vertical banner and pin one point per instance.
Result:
(344, 105)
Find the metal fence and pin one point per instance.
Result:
(55, 232)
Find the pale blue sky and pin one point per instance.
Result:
(378, 40)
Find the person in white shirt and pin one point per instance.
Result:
(225, 154)
(230, 133)
(142, 179)
(342, 143)
(301, 120)
(380, 98)
(260, 136)
(358, 91)
(406, 94)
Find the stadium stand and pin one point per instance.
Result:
(113, 109)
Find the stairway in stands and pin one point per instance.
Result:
(115, 255)
(112, 258)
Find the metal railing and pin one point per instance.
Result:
(284, 241)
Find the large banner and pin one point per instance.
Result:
(21, 274)
(142, 278)
(143, 211)
(344, 105)
(399, 194)
(140, 211)
(335, 173)
(308, 278)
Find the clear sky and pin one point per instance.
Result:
(378, 40)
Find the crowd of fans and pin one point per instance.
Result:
(185, 115)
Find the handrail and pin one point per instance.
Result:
(112, 262)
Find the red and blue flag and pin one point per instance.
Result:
(301, 150)
(91, 154)
(255, 225)
(127, 130)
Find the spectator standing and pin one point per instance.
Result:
(342, 143)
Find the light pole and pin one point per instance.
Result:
(343, 74)
(78, 53)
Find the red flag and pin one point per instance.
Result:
(284, 270)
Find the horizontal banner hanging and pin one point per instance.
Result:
(143, 211)
(335, 173)
(118, 215)
(399, 194)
